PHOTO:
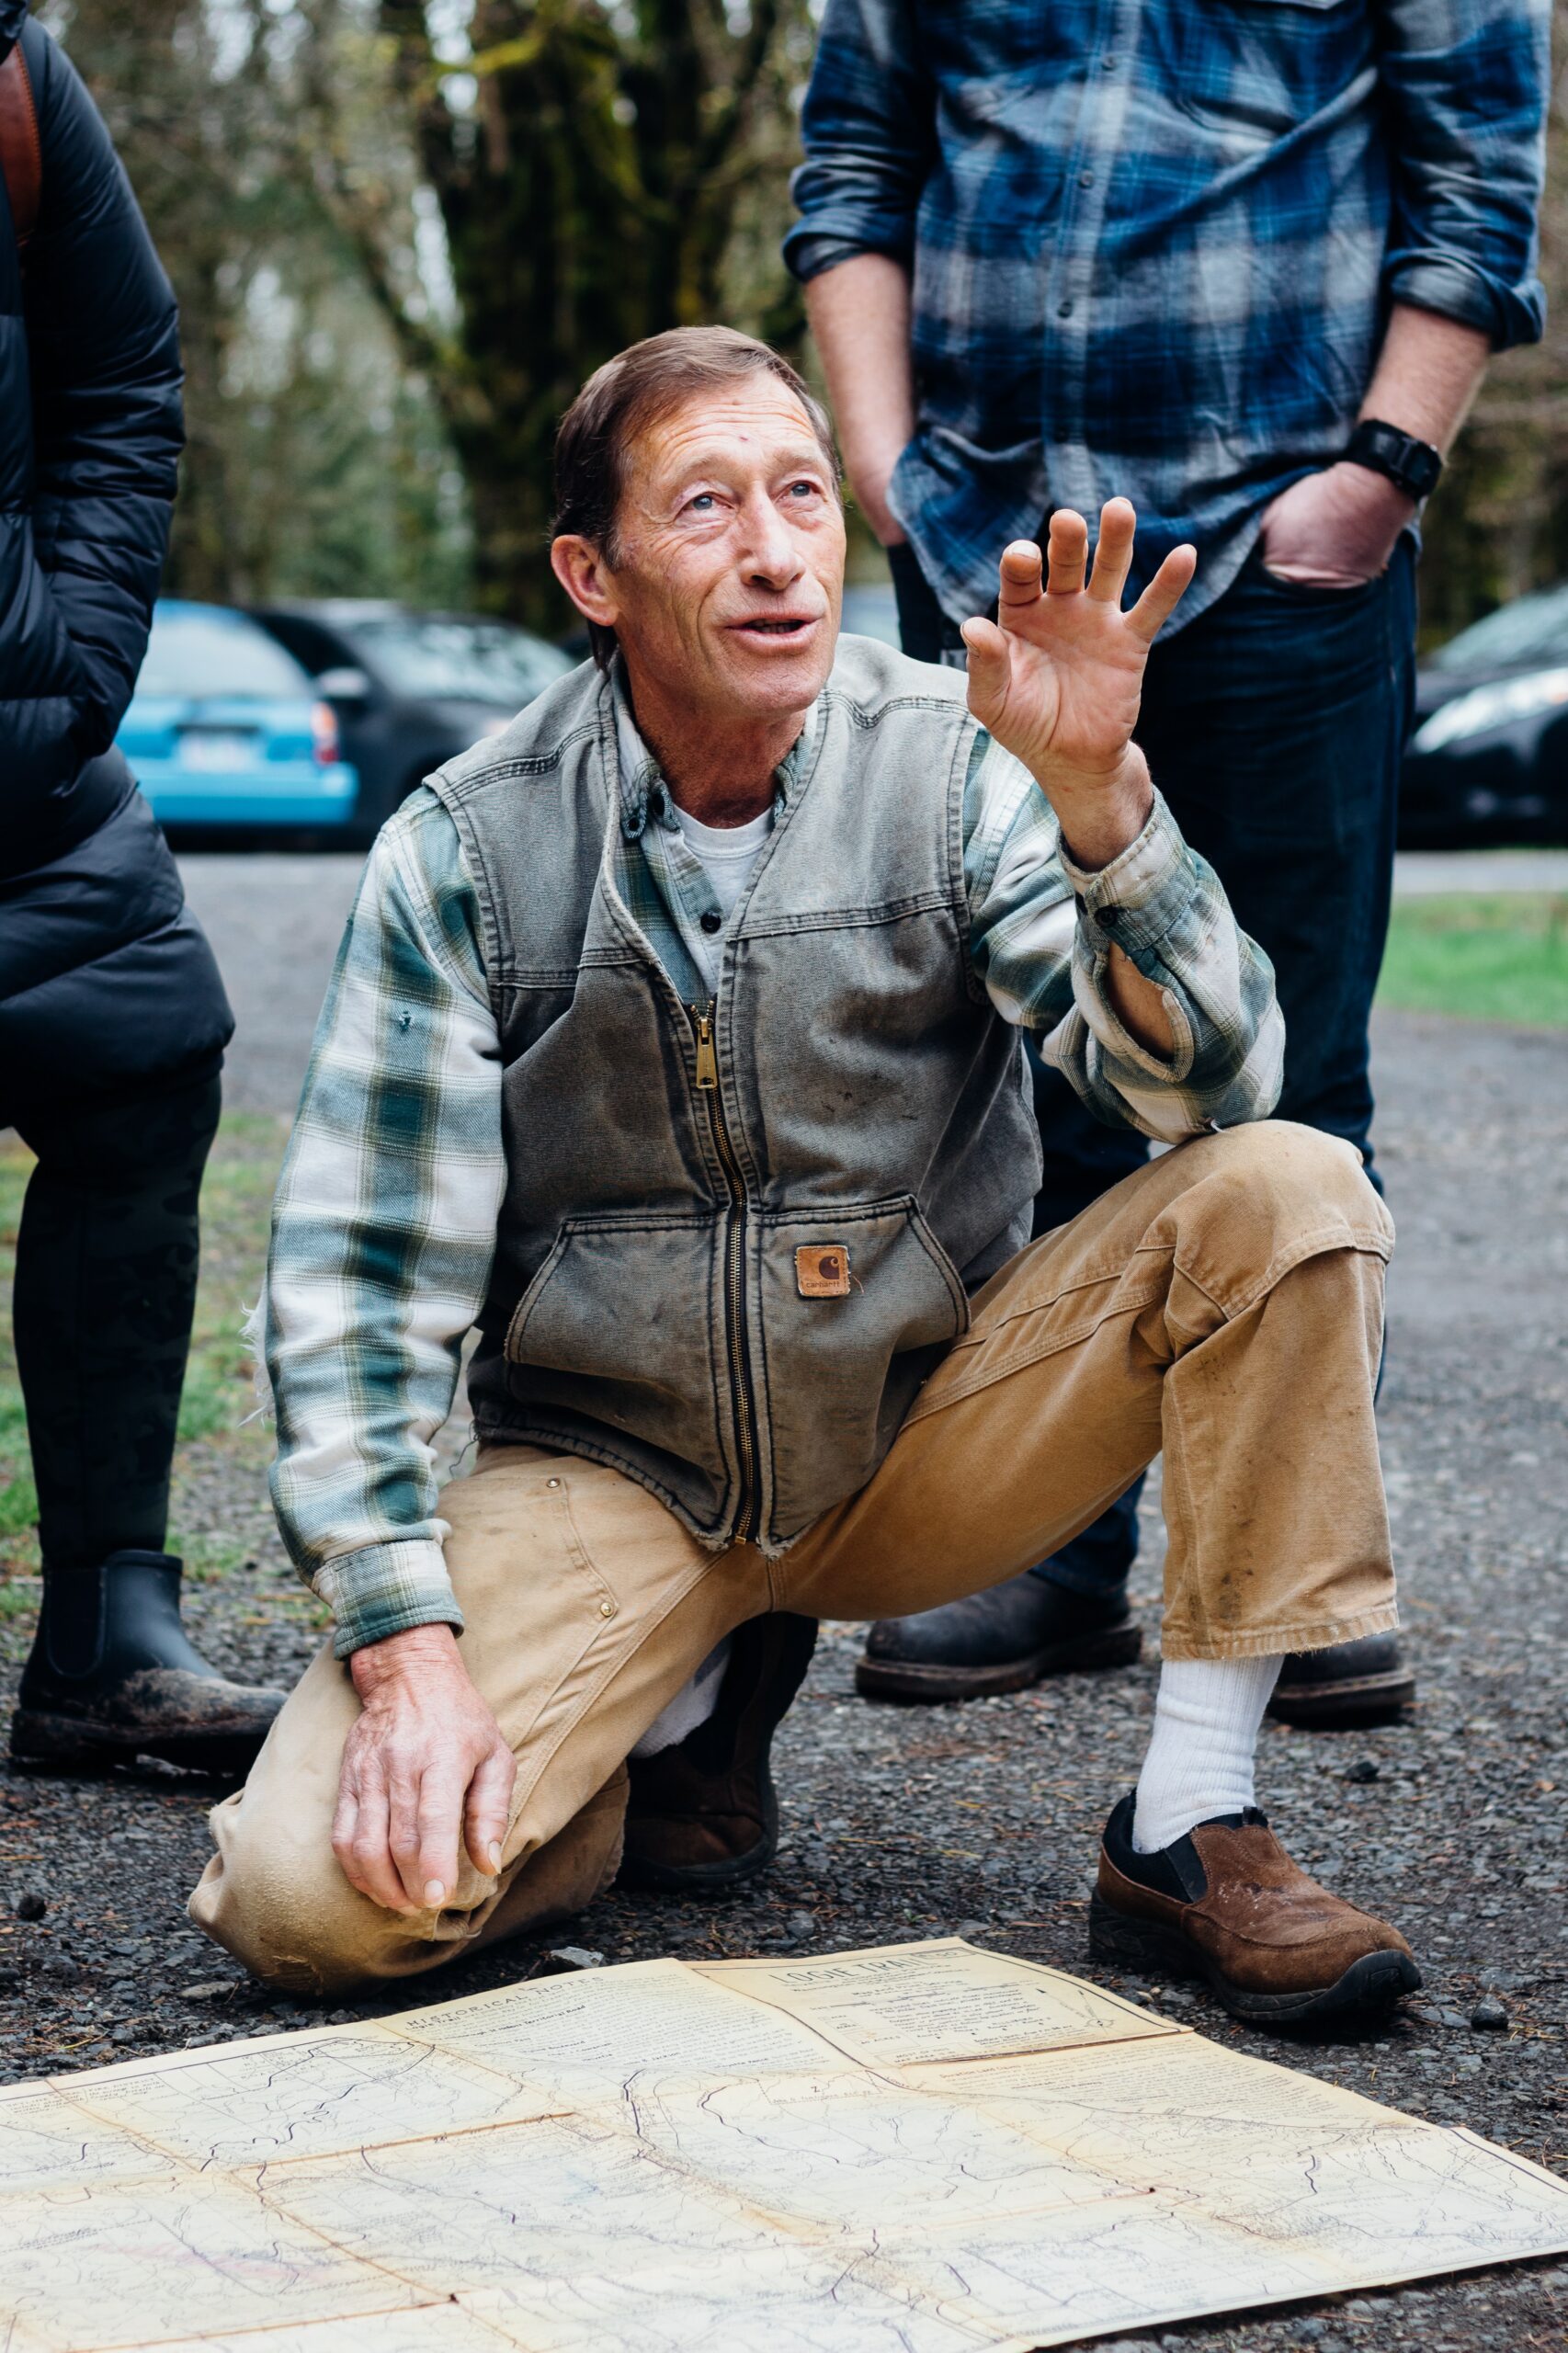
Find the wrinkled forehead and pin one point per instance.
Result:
(754, 427)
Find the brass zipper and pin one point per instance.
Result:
(734, 1266)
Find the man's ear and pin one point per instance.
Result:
(587, 578)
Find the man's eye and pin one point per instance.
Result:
(802, 490)
(703, 504)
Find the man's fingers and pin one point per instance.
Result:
(1067, 547)
(1162, 595)
(990, 667)
(485, 1811)
(1020, 576)
(1113, 551)
(425, 1835)
(359, 1839)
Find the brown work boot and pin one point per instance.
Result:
(1227, 1903)
(702, 1817)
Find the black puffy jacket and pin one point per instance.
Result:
(105, 980)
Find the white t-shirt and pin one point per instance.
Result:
(728, 854)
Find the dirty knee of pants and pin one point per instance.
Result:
(282, 1907)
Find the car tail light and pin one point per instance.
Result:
(323, 733)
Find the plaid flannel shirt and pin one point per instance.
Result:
(384, 1227)
(1153, 246)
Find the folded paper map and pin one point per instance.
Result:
(925, 2149)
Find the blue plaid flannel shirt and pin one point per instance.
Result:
(1153, 241)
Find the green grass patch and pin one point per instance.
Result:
(1480, 958)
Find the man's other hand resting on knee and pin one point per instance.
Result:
(424, 1771)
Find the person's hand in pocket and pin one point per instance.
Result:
(1334, 529)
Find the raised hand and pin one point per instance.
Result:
(1057, 677)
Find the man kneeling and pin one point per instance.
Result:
(674, 1047)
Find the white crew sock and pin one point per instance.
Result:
(1199, 1759)
(692, 1705)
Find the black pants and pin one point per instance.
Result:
(107, 1264)
(1275, 725)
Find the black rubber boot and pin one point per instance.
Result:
(1001, 1640)
(112, 1675)
(1364, 1682)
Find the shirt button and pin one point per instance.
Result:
(713, 920)
(1085, 179)
(1064, 310)
(553, 1482)
(1109, 64)
(607, 1609)
(1110, 916)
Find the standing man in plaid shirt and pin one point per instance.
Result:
(1243, 260)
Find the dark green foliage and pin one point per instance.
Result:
(316, 460)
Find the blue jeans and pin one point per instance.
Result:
(1275, 726)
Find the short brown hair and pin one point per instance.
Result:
(635, 390)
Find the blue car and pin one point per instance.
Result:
(225, 728)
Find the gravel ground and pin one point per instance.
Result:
(903, 1823)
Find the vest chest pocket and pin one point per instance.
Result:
(858, 1305)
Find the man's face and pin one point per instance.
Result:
(730, 555)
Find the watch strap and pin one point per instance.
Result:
(1411, 465)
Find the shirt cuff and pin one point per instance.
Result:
(1139, 899)
(808, 257)
(384, 1589)
(1454, 291)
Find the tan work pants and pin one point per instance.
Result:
(1223, 1305)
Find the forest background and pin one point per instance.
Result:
(402, 232)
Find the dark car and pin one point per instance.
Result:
(1489, 757)
(410, 690)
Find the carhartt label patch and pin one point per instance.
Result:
(822, 1270)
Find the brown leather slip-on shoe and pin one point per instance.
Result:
(1228, 1904)
(1364, 1682)
(703, 1816)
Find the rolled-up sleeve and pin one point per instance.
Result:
(1466, 88)
(1162, 905)
(1042, 930)
(868, 133)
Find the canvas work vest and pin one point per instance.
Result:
(736, 1238)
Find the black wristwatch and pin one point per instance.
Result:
(1411, 465)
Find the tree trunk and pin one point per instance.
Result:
(588, 204)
